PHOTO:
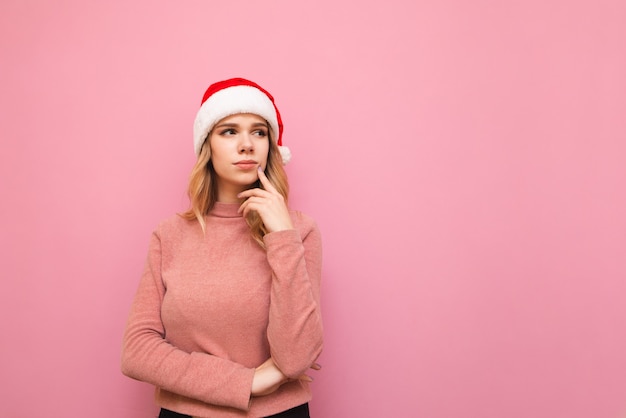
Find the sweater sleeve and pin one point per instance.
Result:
(295, 323)
(149, 357)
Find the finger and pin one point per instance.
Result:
(265, 181)
(253, 192)
(251, 203)
(244, 209)
(305, 378)
(316, 366)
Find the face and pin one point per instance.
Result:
(239, 145)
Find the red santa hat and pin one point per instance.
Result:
(233, 96)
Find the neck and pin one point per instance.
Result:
(228, 197)
(228, 193)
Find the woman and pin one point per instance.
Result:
(226, 320)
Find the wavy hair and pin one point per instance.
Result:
(202, 190)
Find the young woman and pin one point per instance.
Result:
(226, 320)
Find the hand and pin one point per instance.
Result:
(268, 378)
(268, 203)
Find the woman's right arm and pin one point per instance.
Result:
(149, 357)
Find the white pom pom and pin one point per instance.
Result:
(285, 153)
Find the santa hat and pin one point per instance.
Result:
(233, 96)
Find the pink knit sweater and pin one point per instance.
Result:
(210, 308)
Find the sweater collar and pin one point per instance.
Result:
(225, 210)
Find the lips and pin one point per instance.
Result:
(247, 164)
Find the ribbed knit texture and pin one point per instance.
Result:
(210, 308)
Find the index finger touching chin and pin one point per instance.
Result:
(263, 178)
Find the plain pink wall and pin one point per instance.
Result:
(464, 160)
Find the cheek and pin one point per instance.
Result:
(219, 149)
(265, 150)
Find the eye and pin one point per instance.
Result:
(228, 131)
(262, 133)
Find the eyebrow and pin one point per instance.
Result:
(236, 125)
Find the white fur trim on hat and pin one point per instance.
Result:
(285, 153)
(231, 101)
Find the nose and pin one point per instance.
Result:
(245, 144)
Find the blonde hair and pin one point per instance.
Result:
(202, 188)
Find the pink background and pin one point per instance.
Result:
(464, 160)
